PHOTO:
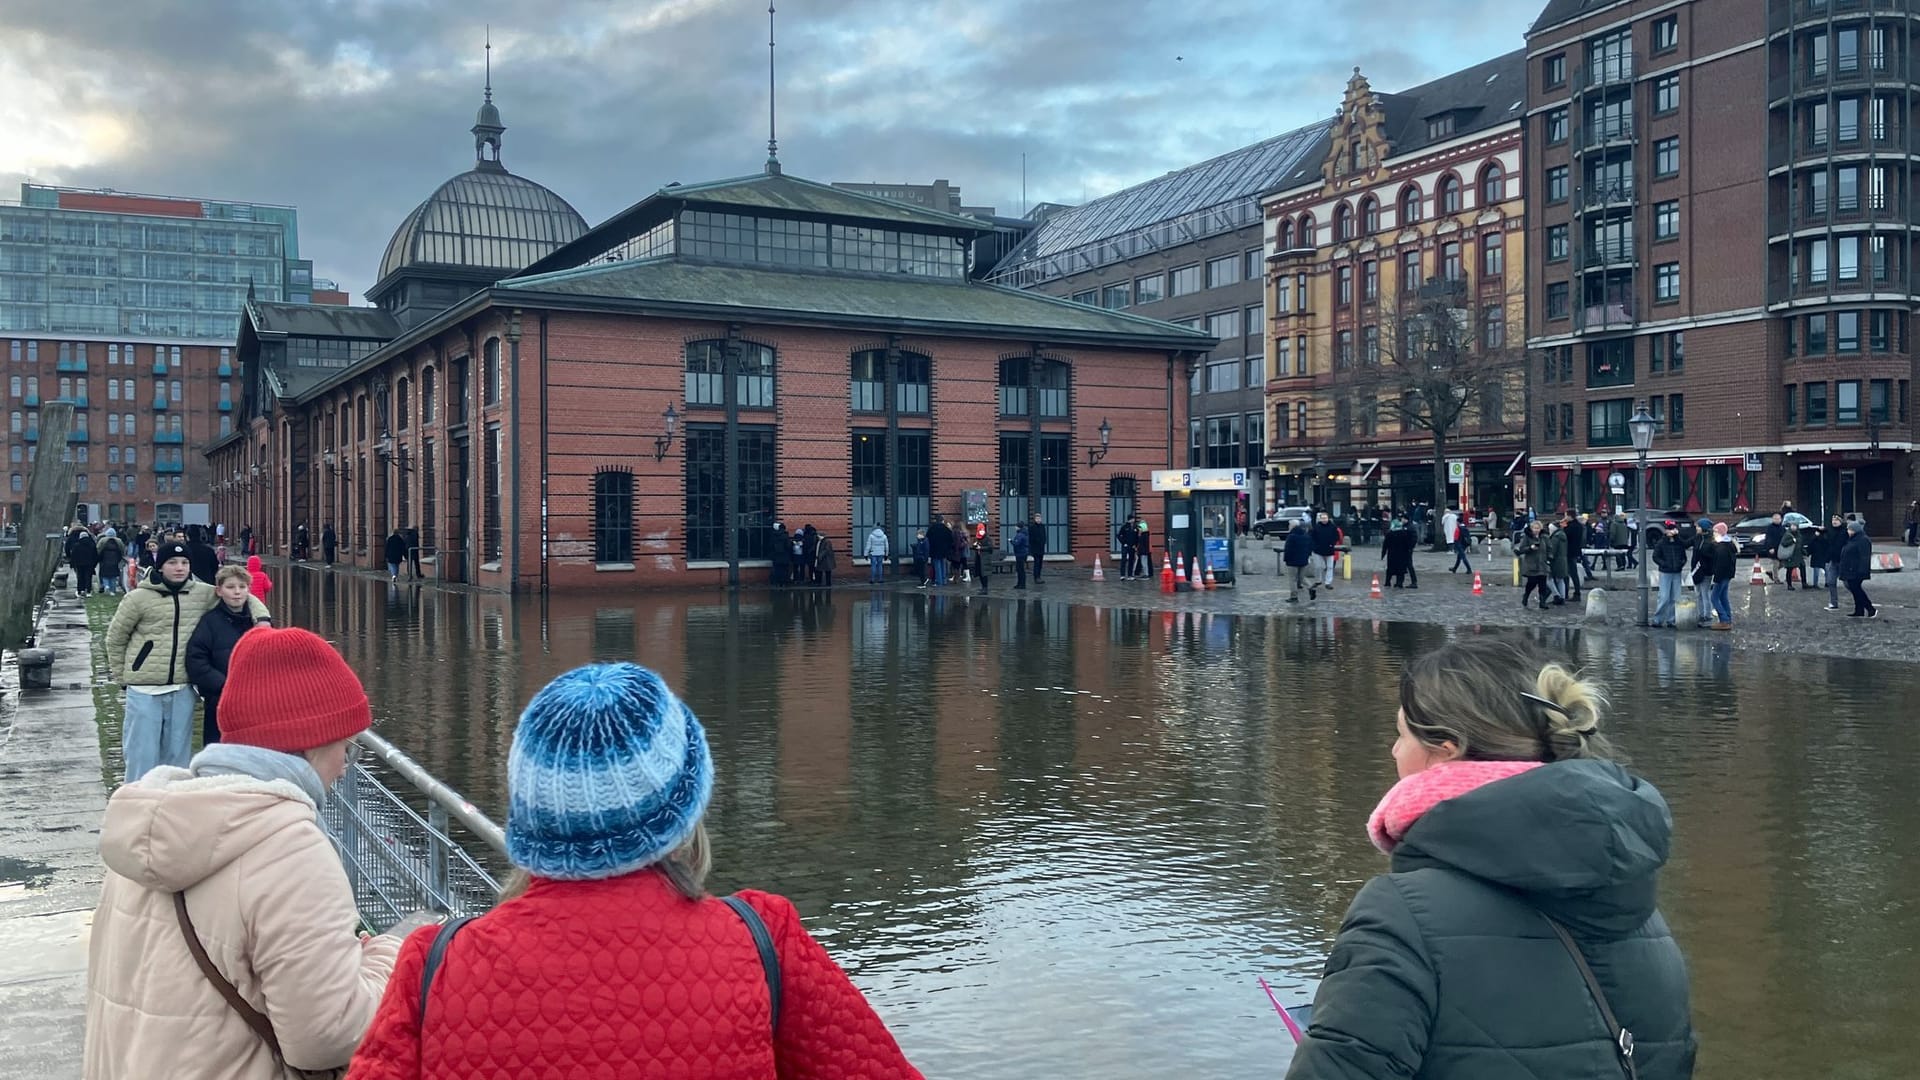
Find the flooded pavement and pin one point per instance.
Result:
(1053, 839)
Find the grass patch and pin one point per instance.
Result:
(109, 701)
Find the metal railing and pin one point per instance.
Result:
(409, 842)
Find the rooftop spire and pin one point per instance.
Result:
(773, 144)
(487, 127)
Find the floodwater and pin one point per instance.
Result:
(1063, 841)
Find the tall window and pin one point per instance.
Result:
(429, 496)
(706, 367)
(706, 498)
(1493, 185)
(490, 478)
(1409, 205)
(1056, 489)
(613, 516)
(1450, 198)
(1342, 223)
(1016, 484)
(1019, 392)
(404, 397)
(1410, 276)
(1369, 215)
(490, 372)
(1493, 255)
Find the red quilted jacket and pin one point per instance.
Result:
(623, 978)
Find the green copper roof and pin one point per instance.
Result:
(793, 195)
(730, 291)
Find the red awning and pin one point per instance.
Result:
(1517, 459)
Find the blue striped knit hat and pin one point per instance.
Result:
(608, 773)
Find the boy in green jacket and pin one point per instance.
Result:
(147, 654)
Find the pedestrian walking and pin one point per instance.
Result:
(1022, 547)
(1516, 927)
(1297, 553)
(824, 561)
(876, 553)
(246, 540)
(1726, 563)
(1770, 546)
(413, 550)
(608, 904)
(224, 942)
(1913, 523)
(1326, 548)
(1856, 566)
(1836, 543)
(83, 554)
(1534, 564)
(1559, 564)
(211, 646)
(258, 581)
(1396, 550)
(1037, 543)
(329, 542)
(1670, 558)
(1793, 556)
(113, 562)
(147, 654)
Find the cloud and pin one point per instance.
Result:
(355, 110)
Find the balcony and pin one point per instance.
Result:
(1617, 314)
(1608, 197)
(80, 402)
(1443, 288)
(1784, 150)
(69, 365)
(169, 466)
(31, 401)
(33, 434)
(1617, 71)
(225, 370)
(1611, 256)
(169, 437)
(226, 405)
(1606, 132)
(1857, 211)
(160, 402)
(159, 367)
(1782, 15)
(77, 435)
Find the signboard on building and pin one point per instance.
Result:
(1456, 472)
(1753, 463)
(1199, 479)
(973, 506)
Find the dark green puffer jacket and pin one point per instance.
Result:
(1445, 970)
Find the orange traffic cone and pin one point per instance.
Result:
(1098, 574)
(1759, 576)
(1180, 577)
(1477, 590)
(1209, 577)
(1373, 591)
(1166, 573)
(1193, 573)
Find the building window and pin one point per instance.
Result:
(1610, 363)
(403, 396)
(1184, 280)
(1224, 324)
(1557, 243)
(1549, 422)
(1309, 234)
(1847, 257)
(490, 372)
(1370, 345)
(1256, 371)
(1369, 215)
(1493, 255)
(1666, 95)
(1343, 350)
(1846, 332)
(1257, 321)
(1610, 59)
(1300, 292)
(1089, 297)
(613, 516)
(429, 496)
(1149, 289)
(1343, 291)
(1370, 281)
(1451, 200)
(1115, 297)
(1223, 376)
(1493, 323)
(1793, 406)
(1607, 422)
(1666, 34)
(1846, 402)
(1666, 282)
(1256, 259)
(1342, 223)
(1817, 334)
(491, 490)
(1409, 205)
(1666, 157)
(1283, 292)
(1557, 126)
(1846, 187)
(1558, 303)
(1847, 119)
(1817, 404)
(1016, 378)
(1450, 268)
(1879, 330)
(1553, 71)
(1282, 358)
(1493, 184)
(1666, 220)
(1879, 395)
(1410, 272)
(1557, 184)
(1223, 271)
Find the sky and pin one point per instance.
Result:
(355, 110)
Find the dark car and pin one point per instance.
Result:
(1281, 521)
(1751, 534)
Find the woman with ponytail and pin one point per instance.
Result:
(1515, 934)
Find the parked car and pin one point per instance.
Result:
(1281, 521)
(1751, 534)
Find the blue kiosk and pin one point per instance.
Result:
(1200, 507)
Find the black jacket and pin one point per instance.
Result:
(1670, 555)
(1856, 558)
(940, 541)
(82, 553)
(1325, 538)
(1397, 549)
(1445, 969)
(112, 551)
(1037, 538)
(782, 553)
(396, 549)
(1298, 550)
(1725, 559)
(205, 563)
(1770, 540)
(328, 539)
(210, 646)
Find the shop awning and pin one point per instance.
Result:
(1368, 469)
(1517, 459)
(1337, 468)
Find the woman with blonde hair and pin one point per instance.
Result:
(1515, 934)
(608, 957)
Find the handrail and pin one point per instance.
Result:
(436, 791)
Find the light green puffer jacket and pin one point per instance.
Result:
(147, 640)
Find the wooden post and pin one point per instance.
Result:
(24, 578)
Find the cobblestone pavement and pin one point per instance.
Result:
(1767, 618)
(51, 799)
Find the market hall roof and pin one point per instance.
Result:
(705, 288)
(320, 320)
(484, 219)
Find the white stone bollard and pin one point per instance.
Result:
(1596, 605)
(1686, 612)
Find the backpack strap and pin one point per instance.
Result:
(255, 1019)
(763, 943)
(1622, 1038)
(437, 952)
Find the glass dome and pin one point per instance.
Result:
(485, 218)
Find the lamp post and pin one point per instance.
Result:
(1096, 455)
(1642, 425)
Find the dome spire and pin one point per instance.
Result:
(487, 127)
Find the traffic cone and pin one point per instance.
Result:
(1209, 578)
(1098, 574)
(1373, 591)
(1477, 590)
(1166, 573)
(1180, 577)
(1193, 573)
(1759, 576)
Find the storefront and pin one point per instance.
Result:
(1718, 485)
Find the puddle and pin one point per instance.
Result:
(24, 873)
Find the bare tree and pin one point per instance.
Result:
(1438, 361)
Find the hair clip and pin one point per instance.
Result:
(1544, 703)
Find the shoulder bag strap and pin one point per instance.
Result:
(1622, 1038)
(254, 1017)
(763, 943)
(437, 952)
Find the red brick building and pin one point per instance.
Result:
(641, 404)
(1720, 221)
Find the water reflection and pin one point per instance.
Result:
(1063, 841)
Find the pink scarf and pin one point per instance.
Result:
(1407, 800)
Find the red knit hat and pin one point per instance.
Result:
(289, 690)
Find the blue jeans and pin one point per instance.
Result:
(393, 569)
(1722, 607)
(158, 730)
(1669, 596)
(940, 571)
(874, 561)
(1460, 549)
(1833, 584)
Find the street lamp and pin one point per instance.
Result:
(1642, 426)
(1096, 455)
(662, 442)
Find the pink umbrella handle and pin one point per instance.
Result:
(1285, 1018)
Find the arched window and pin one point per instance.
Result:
(403, 400)
(706, 369)
(1283, 238)
(1342, 223)
(1307, 237)
(490, 372)
(1369, 216)
(613, 516)
(426, 396)
(1493, 184)
(1409, 204)
(1450, 194)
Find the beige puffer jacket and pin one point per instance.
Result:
(270, 902)
(147, 639)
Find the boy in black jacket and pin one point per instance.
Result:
(212, 643)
